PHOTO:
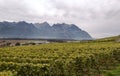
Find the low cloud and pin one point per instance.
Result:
(99, 17)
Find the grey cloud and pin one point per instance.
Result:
(14, 10)
(99, 17)
(89, 9)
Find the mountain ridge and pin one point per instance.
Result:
(43, 30)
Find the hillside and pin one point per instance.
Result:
(60, 59)
(113, 38)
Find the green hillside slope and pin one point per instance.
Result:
(107, 39)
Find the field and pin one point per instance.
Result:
(92, 58)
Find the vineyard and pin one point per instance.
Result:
(60, 59)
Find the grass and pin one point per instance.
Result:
(114, 72)
(114, 38)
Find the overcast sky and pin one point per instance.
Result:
(100, 18)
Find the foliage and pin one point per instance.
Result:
(60, 59)
(6, 73)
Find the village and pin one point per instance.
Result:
(5, 43)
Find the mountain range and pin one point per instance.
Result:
(43, 30)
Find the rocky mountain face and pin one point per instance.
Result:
(70, 32)
(17, 30)
(42, 30)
